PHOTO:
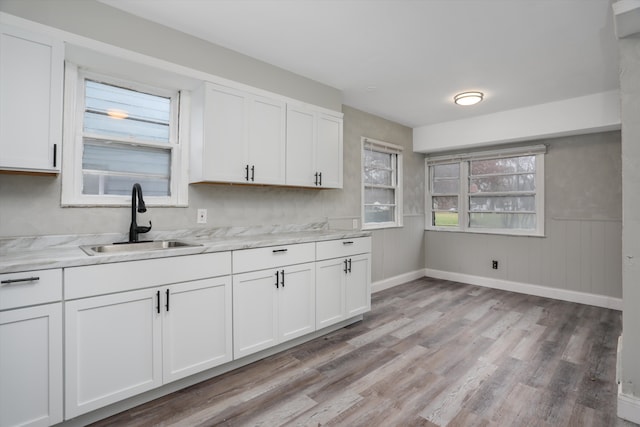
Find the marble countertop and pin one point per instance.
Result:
(45, 252)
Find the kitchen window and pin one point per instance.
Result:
(381, 184)
(121, 133)
(500, 191)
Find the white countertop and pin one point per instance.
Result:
(45, 252)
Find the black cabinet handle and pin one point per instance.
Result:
(345, 266)
(348, 242)
(158, 302)
(275, 251)
(167, 304)
(246, 173)
(55, 155)
(277, 279)
(282, 279)
(253, 169)
(316, 181)
(24, 279)
(320, 182)
(349, 265)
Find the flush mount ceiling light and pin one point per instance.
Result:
(468, 98)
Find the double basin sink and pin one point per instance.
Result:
(151, 245)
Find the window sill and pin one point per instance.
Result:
(367, 227)
(490, 232)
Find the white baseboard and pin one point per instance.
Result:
(527, 288)
(628, 406)
(396, 280)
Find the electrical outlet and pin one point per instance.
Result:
(355, 224)
(494, 264)
(202, 216)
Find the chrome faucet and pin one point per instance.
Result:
(134, 229)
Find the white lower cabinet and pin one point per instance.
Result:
(272, 306)
(31, 391)
(196, 328)
(112, 349)
(276, 303)
(343, 285)
(31, 366)
(122, 344)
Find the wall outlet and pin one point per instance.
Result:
(355, 224)
(494, 264)
(202, 216)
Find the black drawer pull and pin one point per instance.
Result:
(276, 251)
(24, 279)
(349, 242)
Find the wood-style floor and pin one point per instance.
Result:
(430, 353)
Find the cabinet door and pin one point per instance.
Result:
(296, 301)
(31, 81)
(329, 151)
(266, 136)
(31, 366)
(330, 282)
(255, 317)
(225, 145)
(196, 327)
(358, 285)
(300, 147)
(112, 349)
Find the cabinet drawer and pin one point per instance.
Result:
(91, 280)
(272, 256)
(30, 288)
(343, 247)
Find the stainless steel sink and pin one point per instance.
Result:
(154, 245)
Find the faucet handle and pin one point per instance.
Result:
(141, 229)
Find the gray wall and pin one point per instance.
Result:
(630, 94)
(396, 250)
(583, 224)
(30, 205)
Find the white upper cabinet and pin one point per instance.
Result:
(236, 137)
(31, 82)
(314, 148)
(328, 152)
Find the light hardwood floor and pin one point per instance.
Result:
(430, 353)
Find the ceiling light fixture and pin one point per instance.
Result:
(468, 98)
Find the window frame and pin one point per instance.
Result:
(464, 160)
(388, 148)
(73, 141)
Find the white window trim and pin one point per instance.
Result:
(72, 146)
(399, 199)
(463, 199)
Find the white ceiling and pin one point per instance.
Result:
(405, 59)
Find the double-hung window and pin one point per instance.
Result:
(381, 184)
(122, 133)
(500, 191)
